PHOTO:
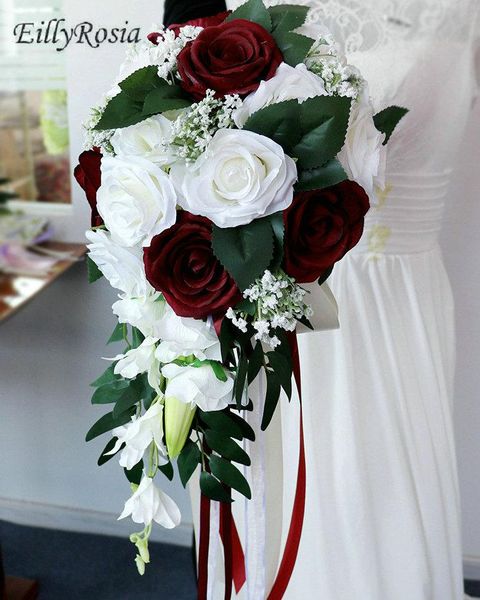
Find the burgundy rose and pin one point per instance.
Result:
(321, 226)
(89, 177)
(181, 264)
(232, 58)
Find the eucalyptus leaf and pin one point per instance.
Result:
(229, 475)
(167, 470)
(283, 370)
(255, 362)
(107, 423)
(108, 448)
(247, 431)
(135, 474)
(107, 377)
(223, 422)
(111, 392)
(226, 447)
(241, 380)
(271, 399)
(213, 489)
(188, 460)
(119, 333)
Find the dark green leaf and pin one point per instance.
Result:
(137, 337)
(167, 97)
(141, 82)
(127, 400)
(293, 46)
(167, 470)
(287, 17)
(255, 362)
(279, 122)
(190, 457)
(246, 306)
(387, 120)
(226, 447)
(244, 251)
(271, 399)
(307, 323)
(223, 422)
(253, 10)
(121, 111)
(213, 489)
(135, 474)
(322, 177)
(283, 370)
(278, 228)
(247, 431)
(107, 377)
(94, 273)
(108, 448)
(227, 340)
(241, 379)
(229, 475)
(110, 392)
(325, 276)
(119, 333)
(217, 368)
(107, 423)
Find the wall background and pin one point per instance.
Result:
(49, 353)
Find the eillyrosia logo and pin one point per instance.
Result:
(58, 34)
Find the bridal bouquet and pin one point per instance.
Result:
(233, 161)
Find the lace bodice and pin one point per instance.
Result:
(419, 54)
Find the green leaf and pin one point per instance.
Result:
(137, 337)
(121, 111)
(326, 275)
(107, 423)
(119, 333)
(127, 400)
(288, 17)
(244, 251)
(190, 457)
(108, 448)
(324, 124)
(255, 362)
(247, 431)
(167, 470)
(222, 421)
(217, 368)
(141, 82)
(229, 475)
(246, 306)
(213, 489)
(241, 379)
(279, 122)
(283, 370)
(293, 46)
(387, 120)
(226, 447)
(110, 393)
(322, 177)
(94, 273)
(278, 228)
(135, 474)
(271, 399)
(107, 377)
(167, 97)
(253, 10)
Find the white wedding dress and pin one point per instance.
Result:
(382, 505)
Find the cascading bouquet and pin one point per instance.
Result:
(232, 162)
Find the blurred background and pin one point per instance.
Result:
(50, 348)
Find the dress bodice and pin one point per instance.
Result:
(419, 54)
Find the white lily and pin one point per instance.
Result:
(197, 386)
(149, 504)
(138, 435)
(140, 360)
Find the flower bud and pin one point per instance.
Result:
(178, 420)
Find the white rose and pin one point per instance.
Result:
(197, 386)
(149, 504)
(364, 156)
(136, 200)
(122, 267)
(148, 139)
(182, 336)
(143, 313)
(138, 435)
(289, 83)
(242, 176)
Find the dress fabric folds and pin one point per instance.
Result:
(382, 517)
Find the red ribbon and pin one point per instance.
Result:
(233, 552)
(296, 524)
